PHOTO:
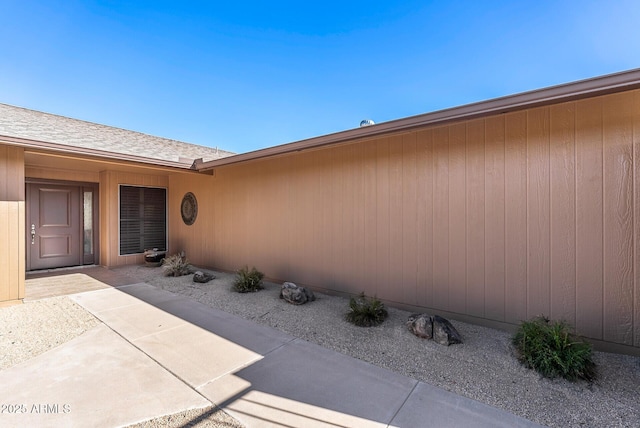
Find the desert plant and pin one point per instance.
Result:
(551, 349)
(248, 280)
(365, 312)
(176, 265)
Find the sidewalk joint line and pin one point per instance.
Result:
(403, 403)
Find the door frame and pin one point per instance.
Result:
(82, 186)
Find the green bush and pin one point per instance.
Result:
(551, 349)
(365, 312)
(176, 265)
(248, 280)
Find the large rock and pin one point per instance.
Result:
(295, 295)
(202, 277)
(434, 327)
(421, 325)
(444, 332)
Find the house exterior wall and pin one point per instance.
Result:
(12, 214)
(495, 220)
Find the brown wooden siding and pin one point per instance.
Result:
(12, 251)
(12, 218)
(502, 218)
(11, 173)
(617, 135)
(515, 213)
(636, 220)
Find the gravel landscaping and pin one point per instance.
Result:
(32, 328)
(483, 368)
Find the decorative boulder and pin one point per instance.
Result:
(295, 295)
(433, 327)
(202, 277)
(444, 332)
(421, 325)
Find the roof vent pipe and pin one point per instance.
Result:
(366, 122)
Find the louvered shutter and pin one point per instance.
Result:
(143, 219)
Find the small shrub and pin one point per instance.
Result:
(248, 280)
(552, 350)
(176, 265)
(365, 312)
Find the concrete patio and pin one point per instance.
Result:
(158, 353)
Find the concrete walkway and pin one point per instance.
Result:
(158, 353)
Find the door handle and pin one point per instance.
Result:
(33, 234)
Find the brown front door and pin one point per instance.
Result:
(54, 227)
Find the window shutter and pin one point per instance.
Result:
(143, 219)
(154, 219)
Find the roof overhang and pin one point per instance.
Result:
(603, 85)
(85, 153)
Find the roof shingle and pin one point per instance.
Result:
(28, 124)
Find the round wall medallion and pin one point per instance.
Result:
(189, 208)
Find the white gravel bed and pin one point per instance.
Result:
(483, 368)
(34, 327)
(210, 417)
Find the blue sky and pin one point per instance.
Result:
(247, 75)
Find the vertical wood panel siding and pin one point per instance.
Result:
(563, 211)
(617, 126)
(516, 217)
(441, 219)
(409, 251)
(494, 214)
(457, 213)
(11, 173)
(636, 218)
(475, 286)
(502, 218)
(589, 219)
(12, 252)
(12, 224)
(424, 218)
(538, 224)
